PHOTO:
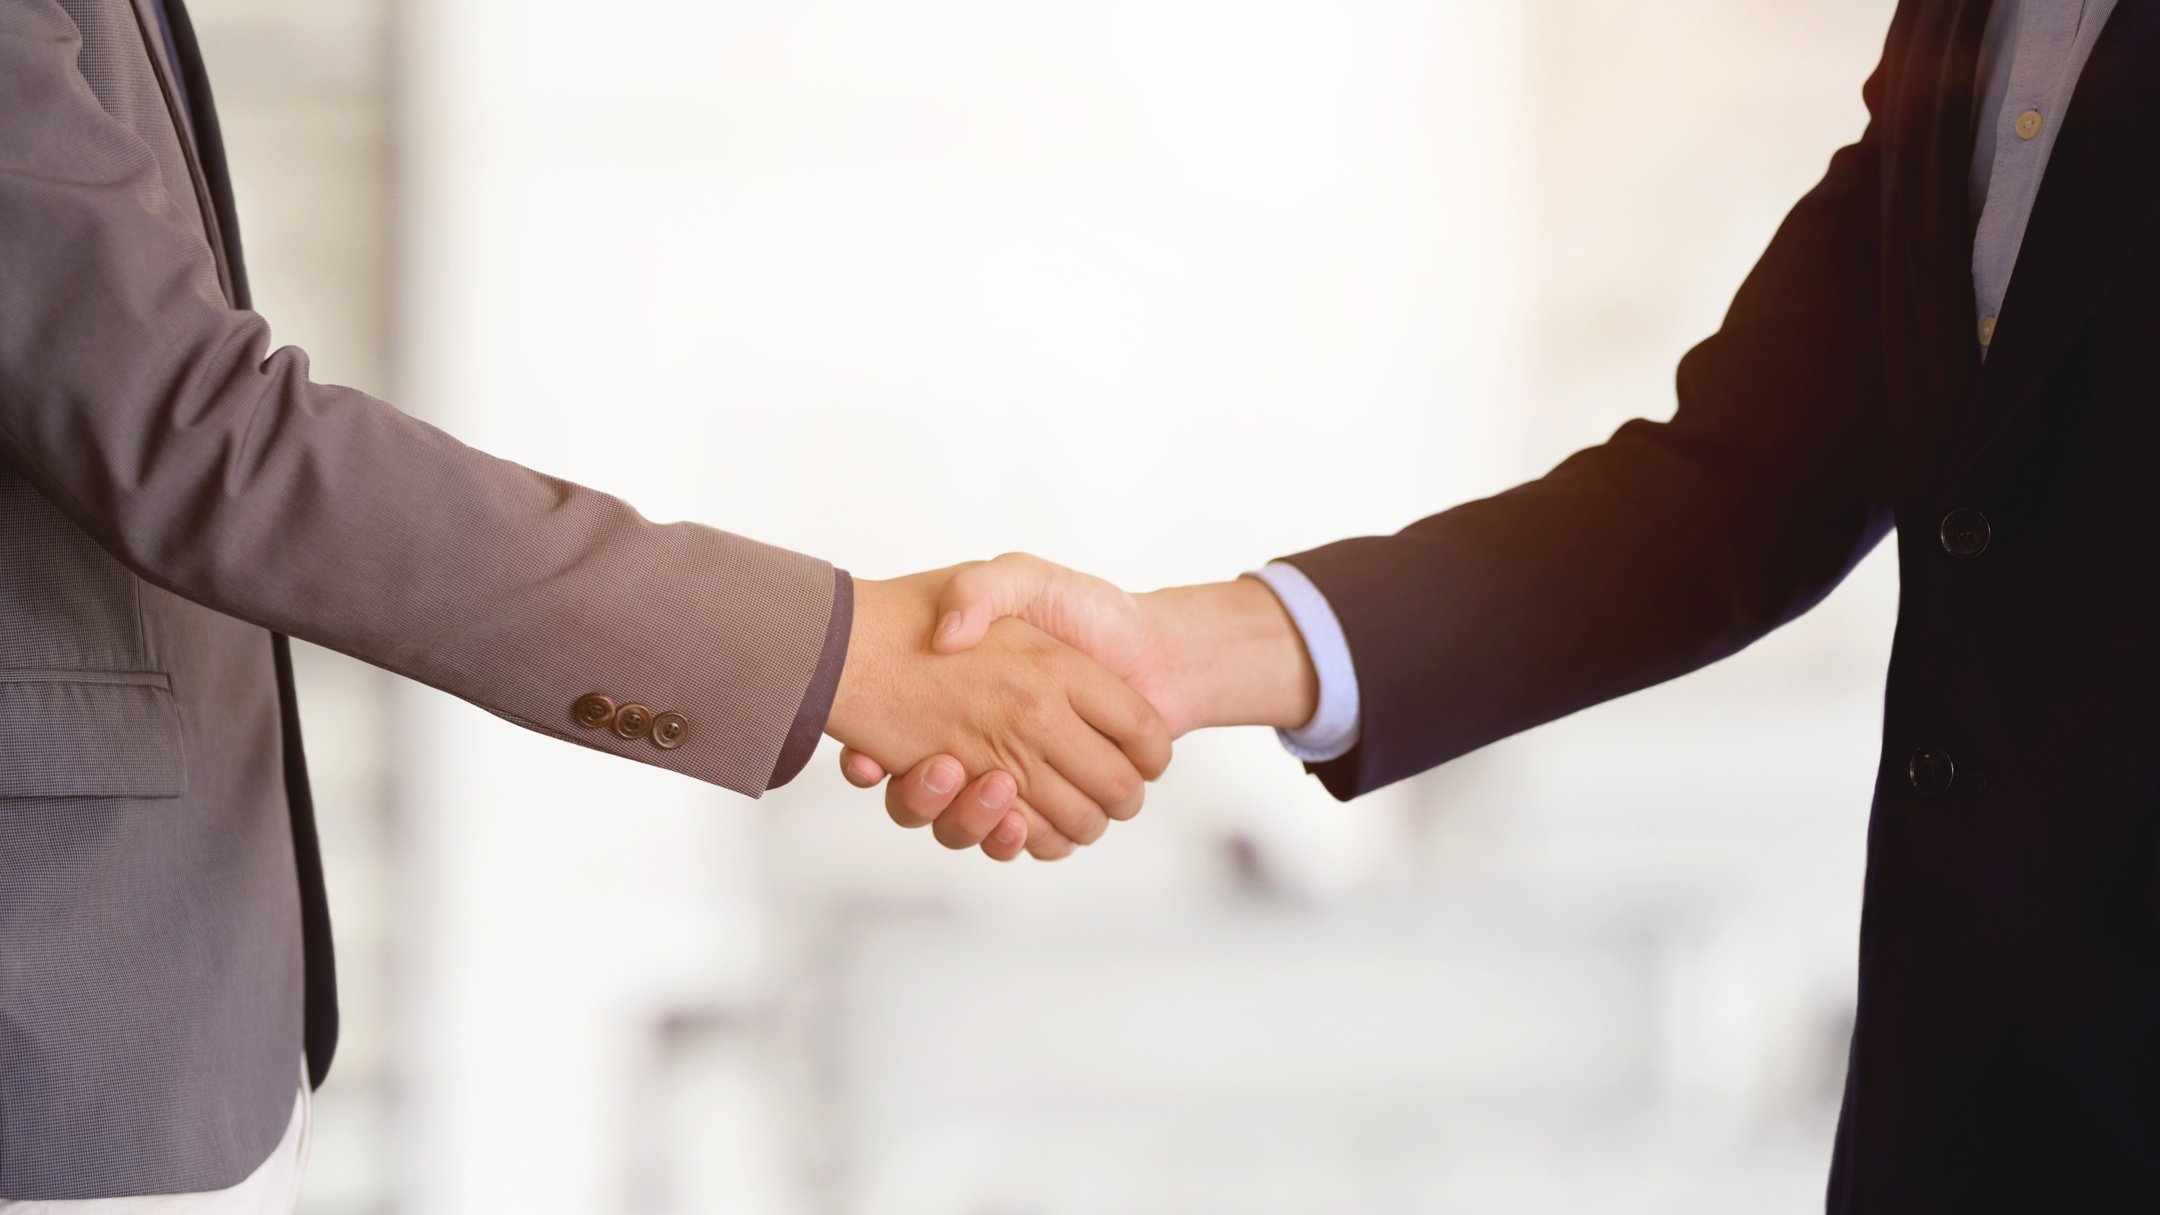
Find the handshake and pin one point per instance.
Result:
(1024, 705)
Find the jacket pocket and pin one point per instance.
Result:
(68, 733)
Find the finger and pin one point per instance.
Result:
(1098, 772)
(860, 770)
(1077, 816)
(977, 811)
(918, 798)
(978, 595)
(1044, 841)
(1123, 716)
(1008, 838)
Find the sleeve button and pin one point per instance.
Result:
(593, 711)
(633, 721)
(669, 730)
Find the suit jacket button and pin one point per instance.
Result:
(633, 721)
(669, 730)
(1965, 533)
(1930, 772)
(593, 711)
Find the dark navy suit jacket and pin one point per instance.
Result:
(2006, 1053)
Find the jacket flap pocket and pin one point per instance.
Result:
(89, 734)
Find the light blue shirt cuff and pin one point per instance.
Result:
(1333, 730)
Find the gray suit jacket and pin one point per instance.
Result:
(173, 494)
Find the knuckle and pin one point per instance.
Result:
(1045, 842)
(1127, 801)
(1149, 726)
(903, 812)
(1127, 787)
(1032, 710)
(1090, 829)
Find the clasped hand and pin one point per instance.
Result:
(1051, 695)
(1058, 745)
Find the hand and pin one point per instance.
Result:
(1221, 654)
(1074, 742)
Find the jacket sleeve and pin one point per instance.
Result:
(155, 415)
(1666, 548)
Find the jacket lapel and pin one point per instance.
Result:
(213, 184)
(2097, 200)
(1928, 227)
(210, 150)
(176, 106)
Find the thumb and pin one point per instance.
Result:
(980, 594)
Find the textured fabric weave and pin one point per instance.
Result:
(272, 1189)
(172, 492)
(70, 733)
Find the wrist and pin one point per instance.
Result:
(865, 675)
(1235, 654)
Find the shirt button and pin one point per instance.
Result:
(669, 730)
(2028, 124)
(1930, 772)
(633, 721)
(593, 711)
(1965, 533)
(1987, 330)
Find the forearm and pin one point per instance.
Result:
(1236, 654)
(343, 523)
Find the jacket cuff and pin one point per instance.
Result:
(1353, 577)
(802, 737)
(1333, 730)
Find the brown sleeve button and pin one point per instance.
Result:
(593, 711)
(633, 721)
(669, 730)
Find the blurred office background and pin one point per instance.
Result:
(1161, 288)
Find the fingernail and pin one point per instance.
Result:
(997, 794)
(1009, 832)
(949, 626)
(943, 777)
